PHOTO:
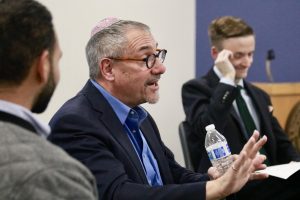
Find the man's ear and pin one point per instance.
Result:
(43, 67)
(214, 52)
(106, 70)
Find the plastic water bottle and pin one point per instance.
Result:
(217, 149)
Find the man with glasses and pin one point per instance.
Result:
(105, 127)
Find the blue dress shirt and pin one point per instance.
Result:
(131, 119)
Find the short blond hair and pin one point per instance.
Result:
(226, 27)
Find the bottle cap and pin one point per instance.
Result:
(210, 127)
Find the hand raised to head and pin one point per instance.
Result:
(223, 63)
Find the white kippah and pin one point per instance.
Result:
(104, 23)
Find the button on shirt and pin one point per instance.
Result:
(131, 118)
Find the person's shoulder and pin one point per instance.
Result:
(74, 103)
(35, 166)
(49, 155)
(257, 89)
(196, 81)
(83, 100)
(20, 145)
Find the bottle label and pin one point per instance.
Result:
(218, 151)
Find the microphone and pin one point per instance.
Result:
(270, 56)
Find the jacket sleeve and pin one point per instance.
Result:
(204, 105)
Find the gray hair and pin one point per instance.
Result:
(109, 42)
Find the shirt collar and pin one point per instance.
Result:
(41, 128)
(121, 110)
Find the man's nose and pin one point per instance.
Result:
(158, 68)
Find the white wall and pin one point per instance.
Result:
(172, 24)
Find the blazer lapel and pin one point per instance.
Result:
(108, 117)
(213, 82)
(262, 113)
(255, 99)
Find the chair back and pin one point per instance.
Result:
(183, 134)
(292, 127)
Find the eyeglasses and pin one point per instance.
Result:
(150, 59)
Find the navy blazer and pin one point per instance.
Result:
(87, 127)
(206, 101)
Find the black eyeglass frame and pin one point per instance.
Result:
(160, 54)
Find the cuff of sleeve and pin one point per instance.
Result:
(228, 81)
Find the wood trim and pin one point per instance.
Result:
(284, 96)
